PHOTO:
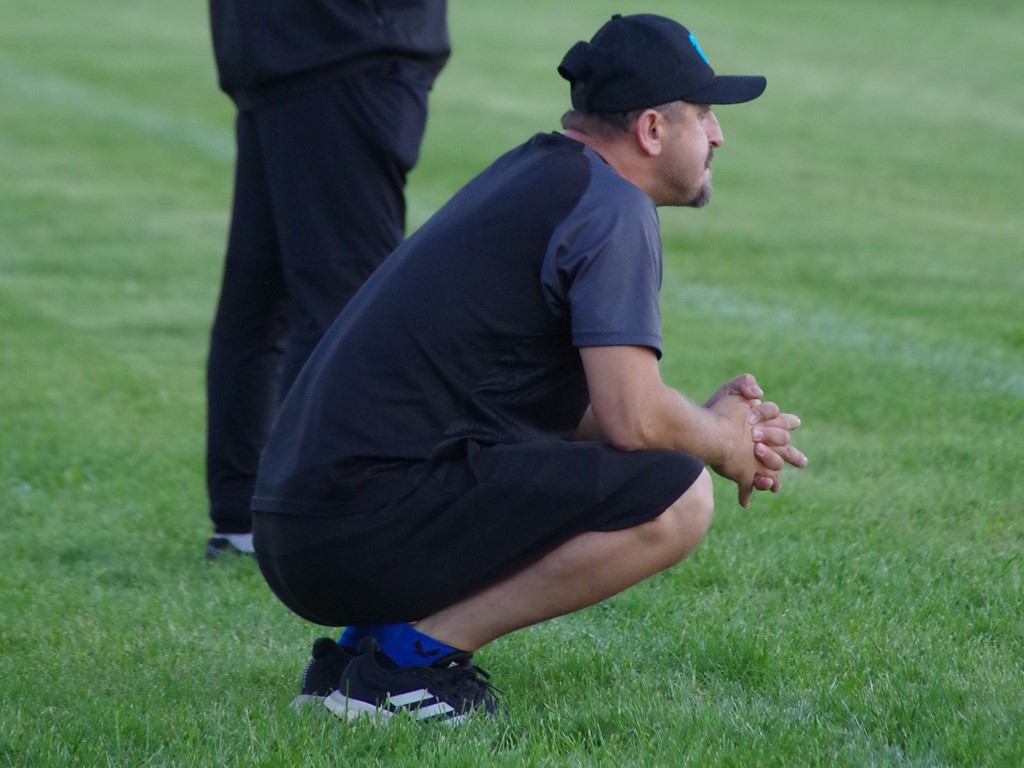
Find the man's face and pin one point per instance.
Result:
(692, 133)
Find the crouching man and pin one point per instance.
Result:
(482, 441)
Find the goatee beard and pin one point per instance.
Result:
(702, 198)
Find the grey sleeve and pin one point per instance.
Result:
(604, 265)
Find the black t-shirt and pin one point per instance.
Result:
(470, 330)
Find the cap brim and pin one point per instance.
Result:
(729, 89)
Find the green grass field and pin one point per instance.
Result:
(863, 257)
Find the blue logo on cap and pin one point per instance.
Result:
(693, 39)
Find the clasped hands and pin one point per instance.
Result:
(769, 437)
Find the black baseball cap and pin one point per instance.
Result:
(643, 60)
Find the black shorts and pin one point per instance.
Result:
(470, 523)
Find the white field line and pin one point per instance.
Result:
(968, 367)
(82, 101)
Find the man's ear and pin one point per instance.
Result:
(648, 132)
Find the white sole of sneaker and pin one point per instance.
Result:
(352, 709)
(240, 541)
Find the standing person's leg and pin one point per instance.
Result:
(244, 359)
(319, 203)
(338, 172)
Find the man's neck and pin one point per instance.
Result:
(614, 152)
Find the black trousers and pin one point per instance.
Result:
(318, 204)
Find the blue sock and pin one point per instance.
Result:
(401, 643)
(351, 636)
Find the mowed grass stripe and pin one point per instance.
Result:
(75, 100)
(80, 409)
(968, 367)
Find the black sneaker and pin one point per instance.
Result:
(322, 674)
(447, 690)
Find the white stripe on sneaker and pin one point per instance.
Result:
(410, 697)
(350, 709)
(434, 710)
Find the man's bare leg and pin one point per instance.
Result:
(580, 573)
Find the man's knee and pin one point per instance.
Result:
(688, 519)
